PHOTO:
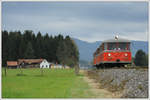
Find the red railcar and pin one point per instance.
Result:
(113, 52)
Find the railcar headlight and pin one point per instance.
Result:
(109, 54)
(126, 54)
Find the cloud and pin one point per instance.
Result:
(86, 21)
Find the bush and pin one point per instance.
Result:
(141, 59)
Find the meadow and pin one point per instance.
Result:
(55, 83)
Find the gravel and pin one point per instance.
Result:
(132, 83)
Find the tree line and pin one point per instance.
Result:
(27, 45)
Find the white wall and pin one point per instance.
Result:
(44, 64)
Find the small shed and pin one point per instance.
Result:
(12, 64)
(67, 67)
(59, 66)
(44, 64)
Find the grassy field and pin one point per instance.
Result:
(55, 83)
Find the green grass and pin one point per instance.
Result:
(55, 83)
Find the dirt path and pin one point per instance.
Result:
(99, 93)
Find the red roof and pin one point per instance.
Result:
(12, 63)
(30, 61)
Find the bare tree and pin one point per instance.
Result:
(77, 69)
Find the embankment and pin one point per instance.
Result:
(130, 83)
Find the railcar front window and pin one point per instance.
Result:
(112, 46)
(118, 46)
(123, 46)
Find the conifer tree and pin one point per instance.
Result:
(5, 46)
(29, 53)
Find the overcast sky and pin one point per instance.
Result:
(88, 21)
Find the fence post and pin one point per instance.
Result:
(42, 71)
(5, 70)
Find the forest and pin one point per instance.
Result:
(28, 45)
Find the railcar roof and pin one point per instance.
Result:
(116, 40)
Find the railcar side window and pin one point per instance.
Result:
(101, 47)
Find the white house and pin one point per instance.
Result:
(44, 64)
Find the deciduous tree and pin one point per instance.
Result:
(140, 58)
